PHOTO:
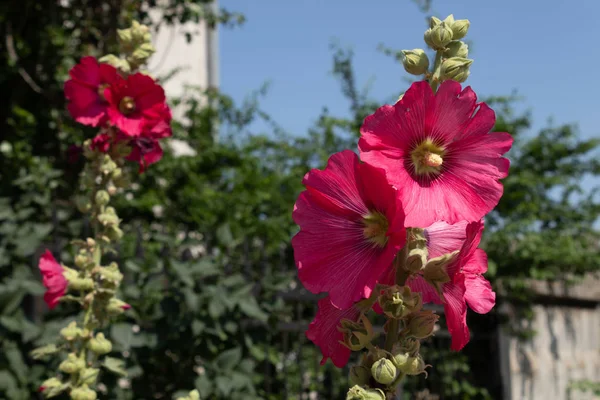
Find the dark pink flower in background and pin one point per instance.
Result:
(53, 279)
(323, 331)
(351, 227)
(144, 151)
(466, 286)
(85, 90)
(73, 153)
(135, 103)
(437, 150)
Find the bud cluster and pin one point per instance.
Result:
(135, 43)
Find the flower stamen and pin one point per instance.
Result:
(127, 105)
(427, 158)
(375, 228)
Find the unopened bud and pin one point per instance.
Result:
(401, 360)
(108, 165)
(439, 36)
(114, 233)
(384, 371)
(422, 324)
(415, 366)
(449, 20)
(358, 393)
(102, 197)
(70, 274)
(435, 272)
(90, 242)
(410, 346)
(415, 61)
(70, 332)
(88, 376)
(357, 335)
(84, 284)
(434, 21)
(100, 345)
(83, 393)
(83, 204)
(52, 387)
(81, 260)
(456, 69)
(398, 302)
(460, 28)
(110, 275)
(108, 219)
(112, 190)
(43, 351)
(360, 375)
(72, 364)
(116, 307)
(416, 260)
(457, 49)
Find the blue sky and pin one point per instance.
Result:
(546, 50)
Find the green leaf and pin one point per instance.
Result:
(204, 386)
(43, 351)
(15, 360)
(216, 308)
(183, 272)
(251, 308)
(8, 382)
(13, 324)
(33, 288)
(224, 385)
(115, 366)
(228, 359)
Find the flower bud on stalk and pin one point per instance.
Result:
(359, 393)
(421, 325)
(415, 61)
(83, 393)
(72, 364)
(439, 36)
(70, 332)
(460, 28)
(100, 345)
(456, 69)
(456, 49)
(384, 371)
(398, 302)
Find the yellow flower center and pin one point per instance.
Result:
(427, 158)
(101, 90)
(127, 105)
(375, 228)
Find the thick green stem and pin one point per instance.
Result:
(401, 276)
(437, 71)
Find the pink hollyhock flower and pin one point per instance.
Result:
(85, 90)
(53, 279)
(323, 331)
(144, 151)
(436, 148)
(466, 286)
(134, 103)
(351, 227)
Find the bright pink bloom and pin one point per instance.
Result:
(53, 279)
(466, 286)
(436, 149)
(135, 103)
(126, 306)
(85, 90)
(351, 227)
(323, 331)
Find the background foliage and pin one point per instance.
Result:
(209, 270)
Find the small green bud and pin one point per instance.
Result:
(456, 69)
(52, 387)
(410, 346)
(70, 332)
(460, 28)
(449, 20)
(125, 35)
(110, 274)
(84, 284)
(415, 61)
(88, 376)
(456, 49)
(116, 62)
(440, 36)
(358, 334)
(108, 165)
(415, 366)
(434, 21)
(102, 197)
(422, 324)
(435, 272)
(116, 307)
(194, 395)
(72, 364)
(69, 273)
(360, 375)
(415, 260)
(398, 302)
(100, 345)
(401, 360)
(83, 204)
(108, 219)
(90, 242)
(384, 371)
(43, 351)
(83, 393)
(114, 233)
(358, 393)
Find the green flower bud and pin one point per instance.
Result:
(421, 324)
(359, 393)
(43, 351)
(110, 274)
(125, 36)
(116, 307)
(84, 284)
(415, 260)
(384, 371)
(360, 375)
(88, 376)
(108, 219)
(83, 204)
(440, 36)
(398, 302)
(456, 68)
(116, 62)
(52, 387)
(90, 242)
(70, 332)
(81, 260)
(456, 49)
(435, 271)
(72, 364)
(114, 233)
(415, 366)
(100, 345)
(449, 20)
(415, 61)
(357, 335)
(410, 346)
(401, 360)
(70, 274)
(108, 165)
(194, 395)
(460, 28)
(102, 197)
(83, 393)
(434, 21)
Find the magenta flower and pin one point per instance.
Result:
(466, 286)
(437, 150)
(323, 331)
(351, 227)
(53, 279)
(85, 90)
(135, 103)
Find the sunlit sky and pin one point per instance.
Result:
(545, 50)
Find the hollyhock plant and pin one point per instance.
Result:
(135, 103)
(437, 149)
(85, 90)
(466, 285)
(351, 227)
(324, 331)
(53, 279)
